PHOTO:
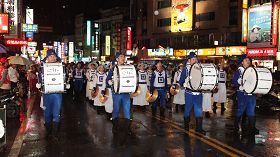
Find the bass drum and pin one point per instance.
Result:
(124, 79)
(203, 77)
(257, 80)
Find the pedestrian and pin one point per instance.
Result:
(179, 98)
(246, 102)
(221, 95)
(193, 99)
(52, 103)
(13, 76)
(159, 83)
(143, 81)
(90, 74)
(32, 79)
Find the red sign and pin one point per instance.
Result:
(261, 52)
(129, 39)
(274, 24)
(16, 42)
(4, 23)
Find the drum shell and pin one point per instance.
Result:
(203, 77)
(257, 80)
(124, 79)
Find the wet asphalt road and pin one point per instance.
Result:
(85, 133)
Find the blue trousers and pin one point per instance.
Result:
(193, 101)
(52, 102)
(121, 100)
(246, 103)
(161, 99)
(78, 85)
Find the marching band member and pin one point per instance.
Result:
(192, 99)
(109, 103)
(78, 76)
(90, 74)
(159, 82)
(179, 98)
(221, 95)
(206, 103)
(142, 82)
(150, 72)
(52, 103)
(120, 99)
(99, 82)
(246, 102)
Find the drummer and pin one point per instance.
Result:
(159, 82)
(122, 99)
(143, 81)
(179, 98)
(246, 102)
(90, 74)
(52, 103)
(98, 82)
(192, 99)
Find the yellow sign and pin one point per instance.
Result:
(103, 58)
(181, 15)
(245, 4)
(244, 25)
(220, 51)
(235, 50)
(206, 52)
(108, 47)
(180, 53)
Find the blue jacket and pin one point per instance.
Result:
(183, 77)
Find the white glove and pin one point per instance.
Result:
(186, 82)
(38, 85)
(239, 81)
(67, 86)
(110, 82)
(241, 88)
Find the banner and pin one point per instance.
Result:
(206, 52)
(180, 53)
(244, 25)
(235, 50)
(108, 47)
(181, 15)
(261, 52)
(4, 23)
(274, 24)
(259, 26)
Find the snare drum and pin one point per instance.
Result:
(124, 79)
(53, 78)
(203, 77)
(257, 80)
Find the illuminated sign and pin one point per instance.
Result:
(32, 44)
(244, 25)
(31, 50)
(245, 4)
(160, 52)
(278, 56)
(206, 52)
(274, 24)
(29, 16)
(180, 53)
(259, 26)
(29, 34)
(88, 32)
(129, 39)
(4, 23)
(108, 45)
(96, 41)
(29, 27)
(235, 50)
(71, 49)
(59, 49)
(11, 7)
(66, 49)
(220, 51)
(16, 42)
(62, 51)
(261, 52)
(181, 15)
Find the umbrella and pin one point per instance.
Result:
(18, 60)
(3, 49)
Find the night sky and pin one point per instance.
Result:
(60, 13)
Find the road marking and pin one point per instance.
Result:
(214, 142)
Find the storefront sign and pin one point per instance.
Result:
(181, 15)
(220, 51)
(235, 50)
(4, 23)
(32, 44)
(160, 52)
(244, 25)
(206, 52)
(260, 52)
(108, 47)
(245, 4)
(129, 39)
(29, 16)
(180, 53)
(88, 32)
(16, 42)
(274, 24)
(29, 27)
(11, 7)
(31, 50)
(71, 49)
(259, 26)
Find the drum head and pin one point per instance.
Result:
(195, 76)
(116, 79)
(249, 80)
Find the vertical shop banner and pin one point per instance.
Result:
(4, 23)
(245, 4)
(71, 49)
(108, 47)
(11, 7)
(274, 24)
(181, 15)
(244, 25)
(259, 26)
(88, 32)
(129, 39)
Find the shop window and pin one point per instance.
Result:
(164, 4)
(164, 22)
(233, 15)
(210, 16)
